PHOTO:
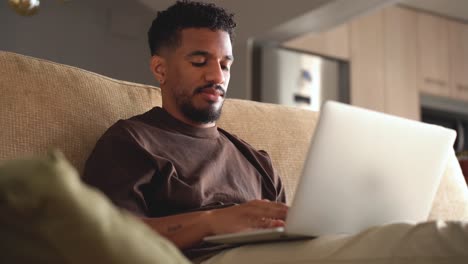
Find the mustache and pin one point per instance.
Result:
(210, 86)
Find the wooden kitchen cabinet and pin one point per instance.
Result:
(433, 54)
(458, 43)
(400, 63)
(395, 54)
(384, 74)
(367, 62)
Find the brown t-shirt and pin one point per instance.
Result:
(155, 165)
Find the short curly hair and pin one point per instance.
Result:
(166, 27)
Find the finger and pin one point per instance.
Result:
(272, 204)
(263, 222)
(276, 223)
(272, 212)
(268, 204)
(258, 209)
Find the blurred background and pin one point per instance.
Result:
(408, 58)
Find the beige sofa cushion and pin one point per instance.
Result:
(48, 216)
(45, 104)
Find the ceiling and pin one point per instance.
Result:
(457, 9)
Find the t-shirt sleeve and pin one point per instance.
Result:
(276, 179)
(272, 186)
(115, 167)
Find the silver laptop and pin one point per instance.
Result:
(363, 169)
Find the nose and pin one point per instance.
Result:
(215, 74)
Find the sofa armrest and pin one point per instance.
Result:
(451, 201)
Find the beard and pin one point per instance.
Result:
(205, 115)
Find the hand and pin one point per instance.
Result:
(251, 215)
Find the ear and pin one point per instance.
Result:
(158, 68)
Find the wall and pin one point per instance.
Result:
(107, 37)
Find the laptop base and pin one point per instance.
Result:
(256, 236)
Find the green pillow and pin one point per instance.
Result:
(48, 216)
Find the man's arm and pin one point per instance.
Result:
(187, 230)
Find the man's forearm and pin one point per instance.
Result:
(187, 230)
(184, 230)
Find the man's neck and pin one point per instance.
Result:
(181, 117)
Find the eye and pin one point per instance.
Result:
(199, 64)
(225, 67)
(198, 61)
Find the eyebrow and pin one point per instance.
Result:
(207, 54)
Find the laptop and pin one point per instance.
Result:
(363, 169)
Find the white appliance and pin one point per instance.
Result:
(294, 78)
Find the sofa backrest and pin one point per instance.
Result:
(45, 104)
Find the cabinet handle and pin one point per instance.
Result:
(462, 87)
(435, 81)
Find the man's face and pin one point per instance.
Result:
(197, 74)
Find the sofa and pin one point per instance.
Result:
(46, 105)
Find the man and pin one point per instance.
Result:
(188, 179)
(172, 160)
